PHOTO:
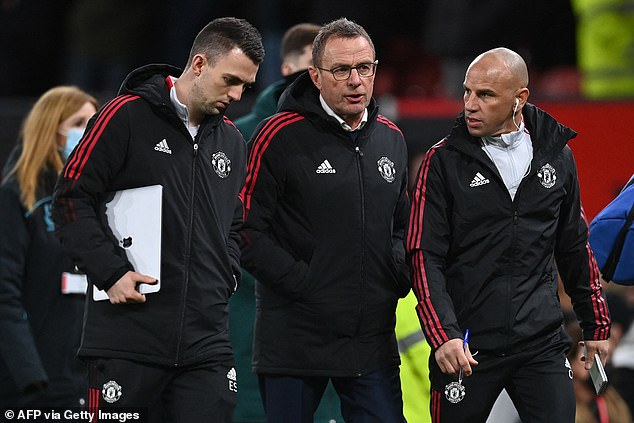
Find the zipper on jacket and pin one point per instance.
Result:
(188, 252)
(507, 314)
(359, 156)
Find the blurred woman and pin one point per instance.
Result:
(40, 327)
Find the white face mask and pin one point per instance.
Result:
(73, 135)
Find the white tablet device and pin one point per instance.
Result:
(134, 216)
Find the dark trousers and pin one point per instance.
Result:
(539, 382)
(371, 398)
(203, 392)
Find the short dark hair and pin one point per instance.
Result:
(297, 37)
(340, 28)
(222, 35)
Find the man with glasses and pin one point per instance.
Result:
(326, 211)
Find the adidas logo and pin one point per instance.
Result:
(163, 147)
(478, 180)
(231, 374)
(325, 167)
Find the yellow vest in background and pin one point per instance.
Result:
(414, 352)
(605, 47)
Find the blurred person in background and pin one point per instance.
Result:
(296, 52)
(40, 326)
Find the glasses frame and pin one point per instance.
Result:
(350, 68)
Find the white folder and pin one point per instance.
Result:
(134, 216)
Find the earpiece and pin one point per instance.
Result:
(517, 103)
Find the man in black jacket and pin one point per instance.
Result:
(496, 217)
(168, 353)
(296, 54)
(326, 212)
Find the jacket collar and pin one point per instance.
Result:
(151, 83)
(549, 137)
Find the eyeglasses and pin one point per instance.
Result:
(341, 73)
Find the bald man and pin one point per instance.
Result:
(495, 219)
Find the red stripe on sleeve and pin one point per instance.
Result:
(88, 141)
(599, 305)
(260, 144)
(418, 202)
(227, 120)
(427, 313)
(389, 123)
(73, 162)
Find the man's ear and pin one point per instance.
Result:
(314, 76)
(286, 69)
(198, 62)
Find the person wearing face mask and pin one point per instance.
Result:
(496, 218)
(73, 135)
(40, 325)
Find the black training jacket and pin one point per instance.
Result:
(487, 263)
(324, 237)
(136, 140)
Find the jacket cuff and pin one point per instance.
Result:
(592, 335)
(106, 285)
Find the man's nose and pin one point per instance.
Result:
(354, 78)
(235, 93)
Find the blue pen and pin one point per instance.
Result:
(464, 347)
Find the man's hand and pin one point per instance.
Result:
(124, 291)
(451, 357)
(591, 347)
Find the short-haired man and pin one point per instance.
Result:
(326, 211)
(168, 353)
(296, 52)
(496, 216)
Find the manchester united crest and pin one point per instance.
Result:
(221, 164)
(386, 169)
(547, 176)
(454, 392)
(111, 391)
